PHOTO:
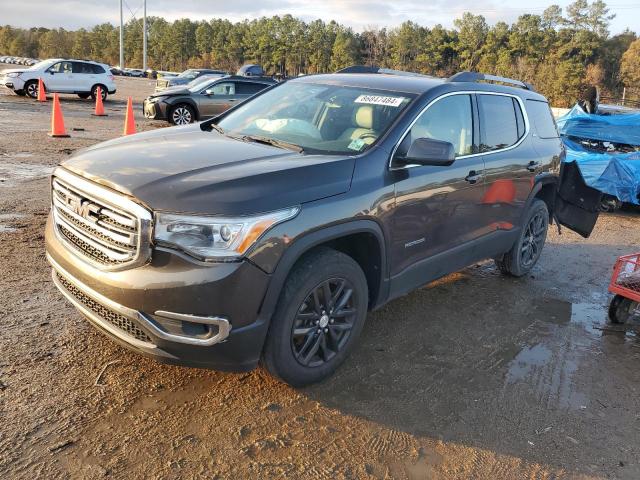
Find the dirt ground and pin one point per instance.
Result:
(474, 376)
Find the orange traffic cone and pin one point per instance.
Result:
(99, 111)
(57, 120)
(42, 95)
(129, 120)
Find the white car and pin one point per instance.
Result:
(59, 75)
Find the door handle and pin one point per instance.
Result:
(533, 165)
(473, 177)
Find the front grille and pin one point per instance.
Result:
(121, 322)
(98, 231)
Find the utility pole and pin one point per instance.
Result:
(121, 38)
(144, 37)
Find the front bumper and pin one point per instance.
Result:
(14, 83)
(154, 110)
(172, 309)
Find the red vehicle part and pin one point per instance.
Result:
(625, 283)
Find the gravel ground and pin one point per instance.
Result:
(473, 376)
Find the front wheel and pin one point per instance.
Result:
(526, 251)
(318, 318)
(20, 93)
(182, 115)
(31, 88)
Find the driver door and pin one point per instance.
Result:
(437, 207)
(60, 77)
(217, 98)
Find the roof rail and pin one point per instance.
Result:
(476, 77)
(373, 69)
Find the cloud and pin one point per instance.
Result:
(358, 14)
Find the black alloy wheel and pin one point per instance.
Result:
(324, 322)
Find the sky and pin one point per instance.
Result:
(358, 14)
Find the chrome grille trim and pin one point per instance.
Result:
(106, 229)
(94, 306)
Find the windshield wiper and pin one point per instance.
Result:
(274, 142)
(217, 128)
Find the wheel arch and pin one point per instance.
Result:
(184, 101)
(545, 188)
(362, 240)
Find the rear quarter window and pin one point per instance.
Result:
(542, 119)
(97, 69)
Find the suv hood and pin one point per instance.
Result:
(185, 169)
(176, 90)
(14, 70)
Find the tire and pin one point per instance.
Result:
(94, 92)
(307, 340)
(31, 88)
(621, 309)
(84, 96)
(182, 114)
(526, 251)
(20, 93)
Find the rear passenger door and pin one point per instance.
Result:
(245, 90)
(84, 76)
(511, 162)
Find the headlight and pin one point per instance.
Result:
(13, 74)
(157, 99)
(211, 238)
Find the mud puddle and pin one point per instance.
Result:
(8, 221)
(13, 173)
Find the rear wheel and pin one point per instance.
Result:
(103, 92)
(182, 115)
(31, 88)
(622, 309)
(526, 251)
(318, 318)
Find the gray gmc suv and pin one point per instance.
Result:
(266, 233)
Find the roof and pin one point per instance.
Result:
(397, 83)
(411, 84)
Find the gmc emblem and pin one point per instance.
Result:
(84, 208)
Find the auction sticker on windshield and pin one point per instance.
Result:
(380, 100)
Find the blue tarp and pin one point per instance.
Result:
(616, 174)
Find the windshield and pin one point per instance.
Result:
(318, 118)
(200, 83)
(43, 63)
(189, 74)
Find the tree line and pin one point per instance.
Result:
(560, 52)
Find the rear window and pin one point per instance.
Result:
(499, 122)
(542, 118)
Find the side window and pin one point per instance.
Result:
(56, 67)
(223, 88)
(81, 67)
(542, 119)
(449, 119)
(249, 88)
(498, 122)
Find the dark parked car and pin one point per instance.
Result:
(185, 77)
(182, 105)
(269, 231)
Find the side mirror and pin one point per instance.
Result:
(209, 92)
(428, 151)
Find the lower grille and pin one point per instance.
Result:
(121, 322)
